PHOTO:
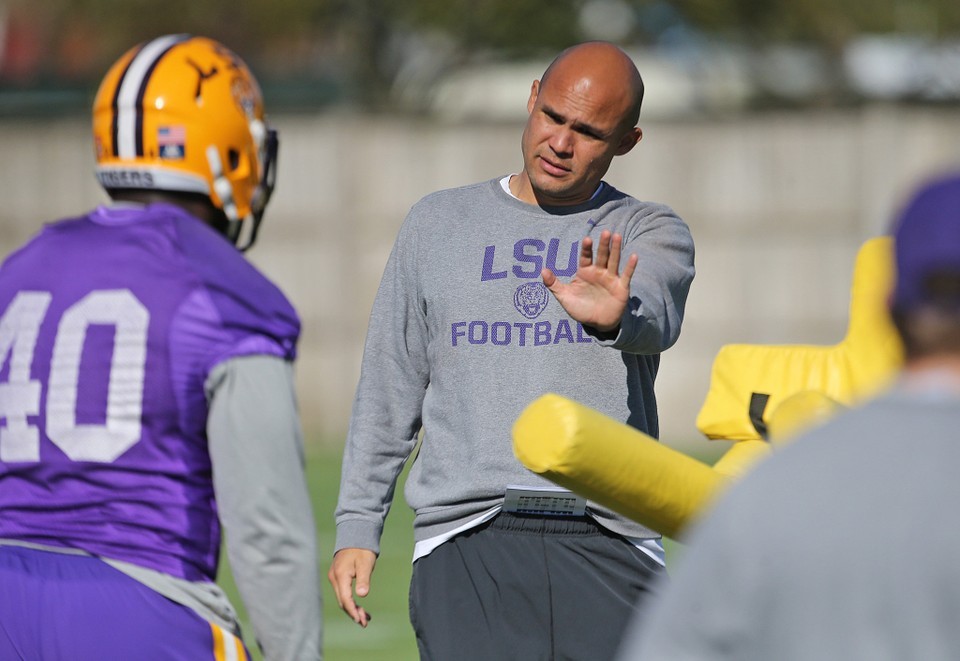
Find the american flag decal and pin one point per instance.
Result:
(171, 141)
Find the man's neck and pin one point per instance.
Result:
(515, 184)
(939, 373)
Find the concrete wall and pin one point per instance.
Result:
(778, 205)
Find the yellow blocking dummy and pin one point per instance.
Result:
(749, 381)
(753, 388)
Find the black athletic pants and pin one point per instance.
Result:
(528, 588)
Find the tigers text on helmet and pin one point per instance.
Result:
(184, 114)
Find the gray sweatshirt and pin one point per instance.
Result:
(464, 335)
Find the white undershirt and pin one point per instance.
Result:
(505, 185)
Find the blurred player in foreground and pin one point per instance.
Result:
(146, 390)
(842, 545)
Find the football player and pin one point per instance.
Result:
(146, 392)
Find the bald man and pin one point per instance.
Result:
(548, 280)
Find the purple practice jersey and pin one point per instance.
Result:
(109, 326)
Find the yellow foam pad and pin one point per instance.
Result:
(800, 412)
(741, 457)
(612, 464)
(863, 362)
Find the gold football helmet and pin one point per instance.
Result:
(183, 113)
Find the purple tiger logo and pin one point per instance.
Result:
(531, 298)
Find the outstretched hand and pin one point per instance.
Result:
(597, 295)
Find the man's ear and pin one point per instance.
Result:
(629, 140)
(534, 91)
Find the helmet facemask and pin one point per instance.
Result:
(243, 232)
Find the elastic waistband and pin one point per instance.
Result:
(546, 525)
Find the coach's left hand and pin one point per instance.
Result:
(597, 295)
(351, 565)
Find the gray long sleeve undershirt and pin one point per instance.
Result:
(256, 449)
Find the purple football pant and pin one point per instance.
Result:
(57, 607)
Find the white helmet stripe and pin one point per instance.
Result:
(128, 113)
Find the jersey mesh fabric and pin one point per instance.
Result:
(111, 323)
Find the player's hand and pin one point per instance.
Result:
(352, 566)
(597, 295)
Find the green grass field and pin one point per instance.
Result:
(389, 636)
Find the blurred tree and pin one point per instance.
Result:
(513, 28)
(826, 22)
(356, 50)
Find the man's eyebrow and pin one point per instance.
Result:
(581, 127)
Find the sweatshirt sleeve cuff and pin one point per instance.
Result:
(358, 534)
(604, 338)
